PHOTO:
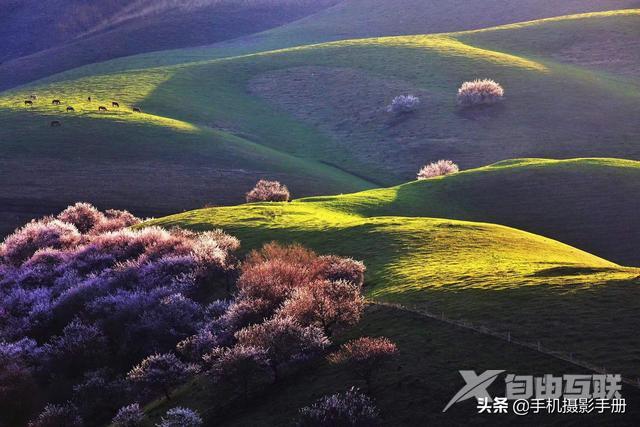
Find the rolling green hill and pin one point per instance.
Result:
(213, 127)
(591, 204)
(509, 280)
(43, 38)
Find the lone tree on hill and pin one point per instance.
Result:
(268, 191)
(439, 168)
(480, 92)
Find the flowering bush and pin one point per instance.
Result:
(46, 233)
(160, 372)
(479, 92)
(403, 104)
(284, 340)
(86, 293)
(239, 364)
(349, 409)
(439, 168)
(181, 417)
(330, 305)
(336, 268)
(364, 356)
(57, 416)
(268, 191)
(128, 416)
(91, 311)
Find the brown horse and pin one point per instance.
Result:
(101, 108)
(115, 104)
(70, 108)
(28, 102)
(56, 102)
(56, 124)
(137, 110)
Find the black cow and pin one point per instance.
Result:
(56, 102)
(137, 110)
(70, 108)
(101, 108)
(28, 102)
(115, 104)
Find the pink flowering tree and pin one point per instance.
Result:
(331, 305)
(241, 365)
(268, 191)
(480, 92)
(365, 356)
(284, 341)
(439, 168)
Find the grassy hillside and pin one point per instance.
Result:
(509, 280)
(412, 391)
(375, 18)
(213, 127)
(43, 38)
(591, 204)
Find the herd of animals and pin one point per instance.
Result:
(57, 123)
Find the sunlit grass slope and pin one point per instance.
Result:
(535, 287)
(297, 100)
(592, 204)
(412, 390)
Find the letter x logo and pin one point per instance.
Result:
(476, 386)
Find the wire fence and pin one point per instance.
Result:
(508, 337)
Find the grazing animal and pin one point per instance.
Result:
(28, 102)
(137, 110)
(56, 124)
(101, 108)
(33, 96)
(89, 99)
(115, 104)
(56, 102)
(70, 108)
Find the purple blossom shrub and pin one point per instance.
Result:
(349, 409)
(181, 417)
(89, 293)
(403, 104)
(160, 372)
(128, 416)
(19, 392)
(65, 415)
(91, 312)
